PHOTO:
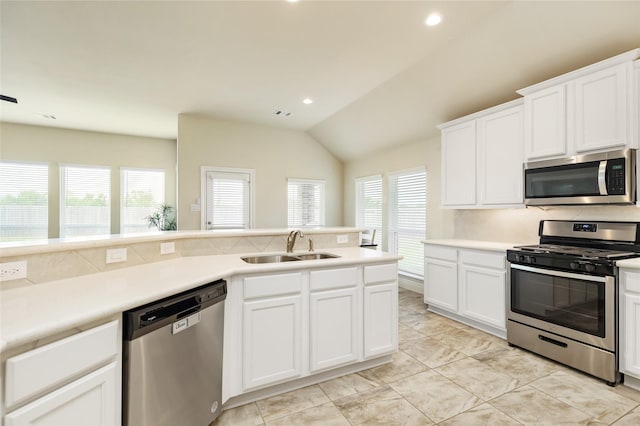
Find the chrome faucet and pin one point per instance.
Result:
(291, 239)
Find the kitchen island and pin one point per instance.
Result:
(337, 316)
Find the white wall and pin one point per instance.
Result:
(274, 154)
(407, 156)
(51, 145)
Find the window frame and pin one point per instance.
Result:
(359, 211)
(48, 192)
(202, 202)
(392, 225)
(62, 195)
(123, 170)
(323, 184)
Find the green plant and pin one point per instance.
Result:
(161, 218)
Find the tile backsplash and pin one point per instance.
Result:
(56, 265)
(521, 225)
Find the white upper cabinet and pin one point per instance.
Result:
(500, 157)
(459, 164)
(601, 109)
(590, 109)
(545, 130)
(482, 158)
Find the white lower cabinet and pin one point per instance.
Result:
(271, 329)
(90, 400)
(441, 277)
(272, 340)
(468, 285)
(333, 326)
(630, 322)
(482, 295)
(72, 381)
(380, 319)
(349, 315)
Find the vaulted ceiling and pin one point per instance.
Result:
(376, 74)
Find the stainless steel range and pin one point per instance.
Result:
(563, 293)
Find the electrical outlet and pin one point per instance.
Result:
(116, 255)
(343, 239)
(13, 270)
(167, 248)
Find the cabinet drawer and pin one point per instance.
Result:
(481, 258)
(440, 252)
(333, 278)
(272, 285)
(380, 273)
(631, 281)
(43, 368)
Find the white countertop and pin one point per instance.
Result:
(629, 263)
(37, 311)
(474, 244)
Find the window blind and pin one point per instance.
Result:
(141, 192)
(85, 201)
(228, 200)
(369, 203)
(24, 212)
(407, 220)
(305, 206)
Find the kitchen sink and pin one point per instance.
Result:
(277, 258)
(314, 256)
(273, 258)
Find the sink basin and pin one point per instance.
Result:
(274, 258)
(314, 256)
(277, 258)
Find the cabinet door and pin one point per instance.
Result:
(380, 319)
(601, 109)
(271, 340)
(500, 146)
(545, 123)
(483, 295)
(459, 165)
(333, 323)
(441, 284)
(90, 400)
(630, 363)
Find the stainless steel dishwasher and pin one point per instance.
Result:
(173, 359)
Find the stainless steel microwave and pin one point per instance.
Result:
(603, 178)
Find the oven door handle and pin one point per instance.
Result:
(562, 274)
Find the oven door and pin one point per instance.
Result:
(577, 306)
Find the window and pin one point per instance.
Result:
(369, 203)
(85, 201)
(407, 220)
(24, 212)
(141, 192)
(228, 198)
(305, 203)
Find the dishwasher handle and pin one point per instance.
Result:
(176, 309)
(147, 318)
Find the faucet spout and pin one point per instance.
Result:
(291, 239)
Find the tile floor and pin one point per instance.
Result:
(446, 373)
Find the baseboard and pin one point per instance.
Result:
(632, 382)
(253, 396)
(411, 284)
(472, 323)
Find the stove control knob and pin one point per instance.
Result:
(574, 265)
(519, 258)
(589, 267)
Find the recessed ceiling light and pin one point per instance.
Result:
(307, 101)
(292, 1)
(433, 19)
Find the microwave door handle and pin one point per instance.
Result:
(602, 178)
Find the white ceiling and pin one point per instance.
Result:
(377, 75)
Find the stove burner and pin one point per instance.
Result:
(582, 252)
